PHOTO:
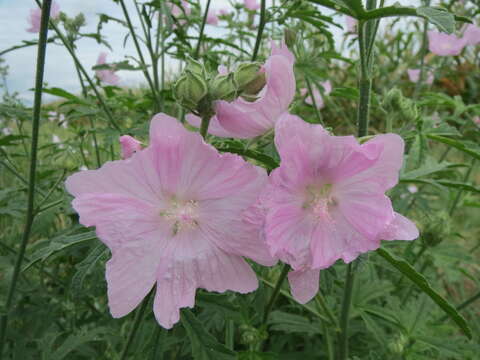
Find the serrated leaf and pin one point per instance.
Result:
(85, 266)
(290, 323)
(204, 345)
(444, 20)
(422, 283)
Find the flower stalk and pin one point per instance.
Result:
(42, 49)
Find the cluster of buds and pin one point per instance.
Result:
(196, 89)
(399, 106)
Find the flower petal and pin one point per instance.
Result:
(192, 262)
(304, 284)
(400, 228)
(214, 127)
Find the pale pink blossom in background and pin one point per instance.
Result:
(476, 120)
(222, 70)
(414, 76)
(212, 18)
(129, 145)
(172, 215)
(179, 11)
(352, 24)
(107, 76)
(317, 96)
(225, 11)
(471, 35)
(327, 200)
(252, 4)
(7, 131)
(444, 44)
(36, 14)
(244, 119)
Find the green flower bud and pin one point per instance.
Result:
(251, 335)
(397, 345)
(436, 229)
(245, 74)
(223, 87)
(189, 89)
(398, 105)
(290, 37)
(195, 67)
(257, 84)
(79, 20)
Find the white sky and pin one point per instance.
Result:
(59, 68)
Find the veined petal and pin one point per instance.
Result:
(400, 228)
(192, 262)
(214, 126)
(304, 284)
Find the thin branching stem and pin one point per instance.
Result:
(42, 49)
(276, 290)
(261, 26)
(202, 29)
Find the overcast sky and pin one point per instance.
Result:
(59, 68)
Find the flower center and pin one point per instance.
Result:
(318, 201)
(181, 214)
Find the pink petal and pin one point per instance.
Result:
(132, 230)
(129, 146)
(471, 36)
(445, 45)
(400, 228)
(251, 4)
(304, 284)
(191, 262)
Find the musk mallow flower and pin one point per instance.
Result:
(317, 96)
(247, 119)
(251, 4)
(107, 76)
(212, 18)
(351, 23)
(414, 76)
(36, 14)
(444, 44)
(327, 200)
(129, 145)
(471, 35)
(172, 215)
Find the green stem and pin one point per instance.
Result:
(42, 49)
(136, 324)
(328, 341)
(202, 29)
(204, 125)
(276, 290)
(229, 334)
(423, 52)
(464, 304)
(459, 194)
(314, 102)
(261, 26)
(345, 314)
(138, 48)
(323, 305)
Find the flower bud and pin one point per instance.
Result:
(223, 88)
(290, 37)
(245, 74)
(251, 335)
(436, 229)
(394, 102)
(195, 67)
(189, 89)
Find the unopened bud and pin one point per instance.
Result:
(257, 84)
(224, 88)
(436, 229)
(189, 89)
(405, 108)
(290, 37)
(245, 74)
(195, 67)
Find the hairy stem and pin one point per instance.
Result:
(202, 29)
(345, 314)
(42, 49)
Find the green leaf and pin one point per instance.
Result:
(269, 162)
(466, 148)
(85, 266)
(291, 323)
(444, 20)
(10, 140)
(74, 341)
(422, 283)
(58, 244)
(204, 345)
(346, 92)
(64, 94)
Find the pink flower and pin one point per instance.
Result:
(471, 36)
(106, 76)
(172, 216)
(476, 120)
(129, 146)
(243, 119)
(327, 200)
(414, 76)
(224, 11)
(212, 18)
(251, 4)
(445, 45)
(36, 14)
(179, 11)
(351, 24)
(327, 86)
